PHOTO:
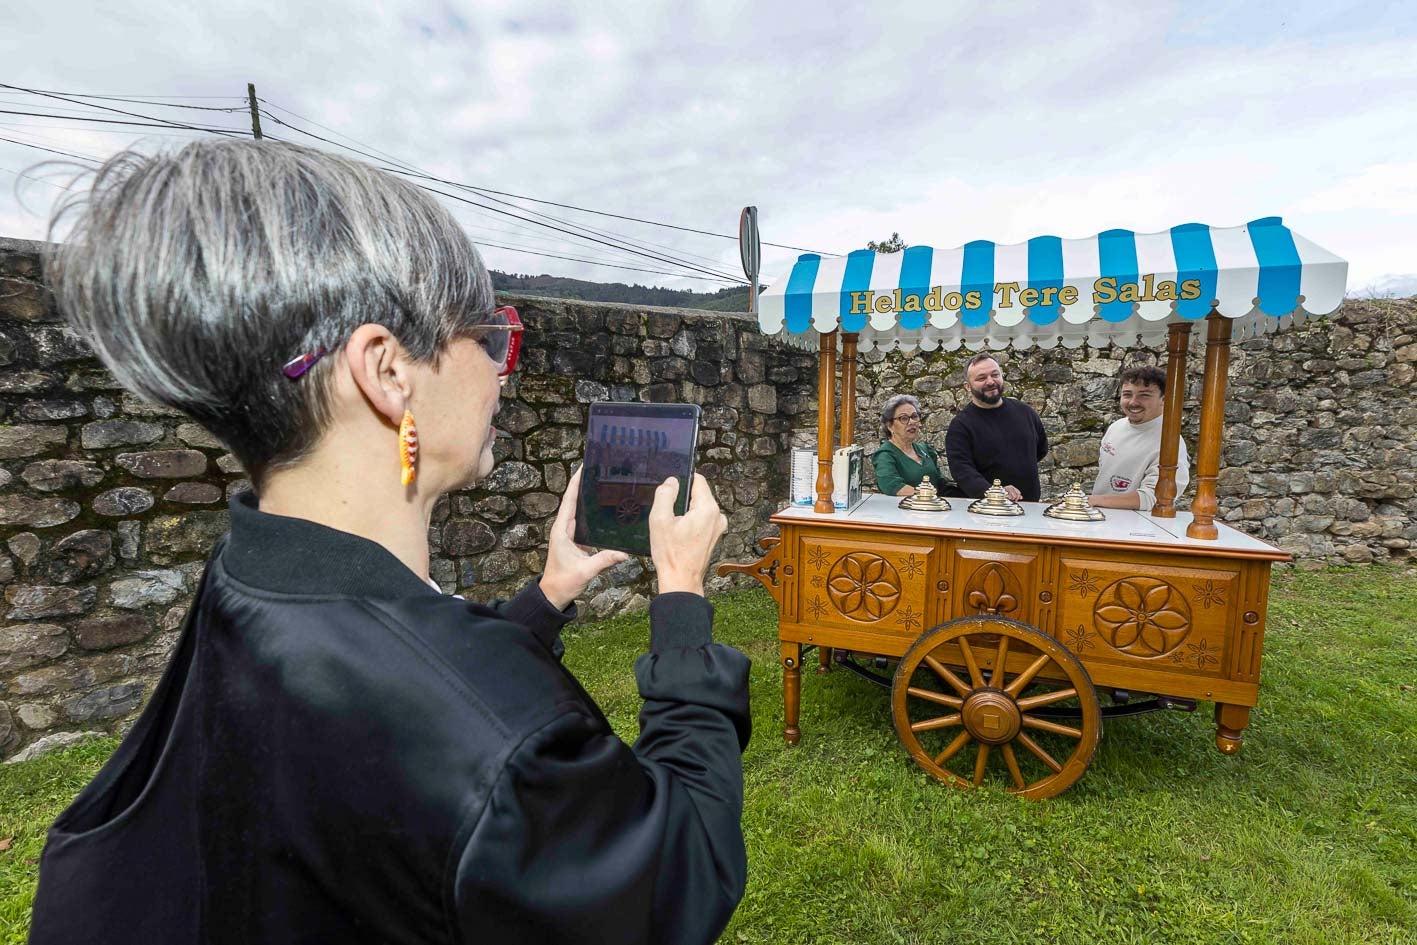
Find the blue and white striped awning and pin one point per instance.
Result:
(1117, 287)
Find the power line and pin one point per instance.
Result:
(37, 180)
(26, 144)
(136, 100)
(132, 124)
(622, 241)
(552, 203)
(621, 244)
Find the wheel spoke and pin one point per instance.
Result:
(1026, 677)
(942, 721)
(980, 763)
(997, 679)
(975, 676)
(1012, 762)
(1043, 756)
(1043, 725)
(1046, 698)
(931, 696)
(944, 673)
(952, 748)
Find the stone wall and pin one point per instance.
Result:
(109, 505)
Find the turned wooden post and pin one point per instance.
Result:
(1178, 339)
(826, 393)
(791, 691)
(848, 388)
(1217, 366)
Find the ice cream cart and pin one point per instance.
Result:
(1009, 626)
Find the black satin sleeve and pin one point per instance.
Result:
(586, 839)
(533, 610)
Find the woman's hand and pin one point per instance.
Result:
(569, 567)
(681, 545)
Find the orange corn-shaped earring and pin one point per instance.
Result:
(408, 448)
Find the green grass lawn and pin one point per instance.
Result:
(1309, 835)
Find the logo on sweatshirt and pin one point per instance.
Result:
(1121, 483)
(1108, 448)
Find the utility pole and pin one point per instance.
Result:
(255, 113)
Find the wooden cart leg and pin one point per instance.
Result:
(1230, 724)
(824, 660)
(791, 691)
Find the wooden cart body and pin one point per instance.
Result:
(1168, 603)
(1141, 605)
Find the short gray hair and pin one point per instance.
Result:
(196, 275)
(889, 408)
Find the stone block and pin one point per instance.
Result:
(123, 501)
(56, 409)
(35, 716)
(164, 464)
(56, 475)
(103, 434)
(512, 477)
(110, 702)
(172, 539)
(52, 743)
(29, 644)
(147, 588)
(467, 538)
(83, 554)
(28, 439)
(194, 493)
(26, 546)
(37, 513)
(104, 633)
(521, 537)
(539, 505)
(35, 602)
(197, 436)
(762, 398)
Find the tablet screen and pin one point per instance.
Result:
(630, 450)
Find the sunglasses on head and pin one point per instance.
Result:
(500, 337)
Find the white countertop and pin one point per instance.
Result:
(1121, 525)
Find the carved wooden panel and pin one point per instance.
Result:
(1148, 612)
(996, 578)
(878, 584)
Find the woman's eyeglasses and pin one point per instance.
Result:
(500, 336)
(906, 417)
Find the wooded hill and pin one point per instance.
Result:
(724, 300)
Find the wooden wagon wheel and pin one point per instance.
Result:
(939, 712)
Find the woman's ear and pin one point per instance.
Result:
(378, 366)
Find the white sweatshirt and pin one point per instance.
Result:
(1129, 460)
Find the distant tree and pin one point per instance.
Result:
(893, 245)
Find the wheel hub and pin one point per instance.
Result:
(991, 716)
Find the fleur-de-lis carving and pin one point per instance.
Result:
(989, 590)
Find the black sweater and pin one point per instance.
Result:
(338, 753)
(1004, 443)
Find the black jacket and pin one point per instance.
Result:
(340, 754)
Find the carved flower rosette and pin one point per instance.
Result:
(1142, 616)
(863, 586)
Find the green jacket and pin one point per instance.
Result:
(894, 469)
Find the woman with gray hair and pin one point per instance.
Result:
(339, 752)
(903, 459)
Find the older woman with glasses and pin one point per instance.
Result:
(338, 751)
(904, 459)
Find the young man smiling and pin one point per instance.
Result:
(1129, 460)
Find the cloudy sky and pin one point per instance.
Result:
(841, 122)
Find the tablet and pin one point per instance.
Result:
(630, 450)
